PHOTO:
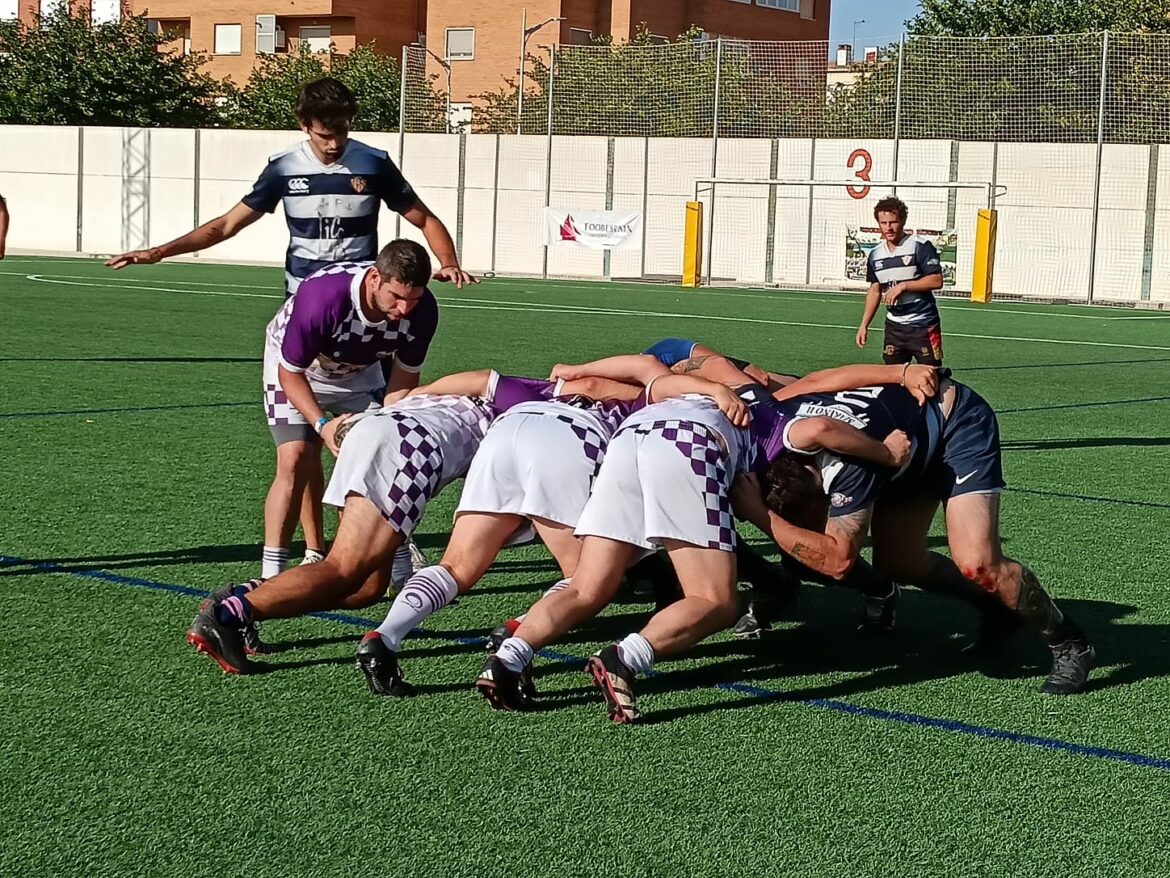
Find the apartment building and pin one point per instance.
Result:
(481, 39)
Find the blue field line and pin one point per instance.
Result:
(129, 410)
(911, 719)
(1083, 405)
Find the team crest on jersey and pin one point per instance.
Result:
(906, 260)
(358, 184)
(838, 499)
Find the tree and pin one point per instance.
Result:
(66, 71)
(1013, 18)
(268, 98)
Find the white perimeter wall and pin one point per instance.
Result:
(141, 187)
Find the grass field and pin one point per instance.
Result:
(135, 459)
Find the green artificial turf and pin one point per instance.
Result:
(134, 456)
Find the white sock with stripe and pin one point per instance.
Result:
(427, 592)
(272, 561)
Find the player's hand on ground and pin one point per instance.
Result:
(747, 499)
(456, 275)
(733, 408)
(395, 396)
(862, 336)
(898, 444)
(329, 433)
(893, 294)
(134, 257)
(921, 381)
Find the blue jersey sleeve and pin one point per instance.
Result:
(870, 274)
(395, 192)
(855, 486)
(267, 190)
(926, 258)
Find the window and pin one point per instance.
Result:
(228, 39)
(749, 2)
(318, 39)
(460, 43)
(578, 36)
(105, 11)
(656, 40)
(786, 5)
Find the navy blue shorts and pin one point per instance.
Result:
(970, 461)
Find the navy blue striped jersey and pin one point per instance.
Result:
(913, 258)
(851, 483)
(332, 210)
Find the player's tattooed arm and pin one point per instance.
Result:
(831, 552)
(714, 367)
(921, 381)
(813, 434)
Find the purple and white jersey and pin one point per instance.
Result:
(323, 333)
(510, 394)
(507, 391)
(693, 409)
(456, 424)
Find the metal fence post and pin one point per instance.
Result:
(401, 127)
(898, 107)
(81, 184)
(714, 154)
(552, 66)
(645, 201)
(1097, 172)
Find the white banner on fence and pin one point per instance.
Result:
(594, 229)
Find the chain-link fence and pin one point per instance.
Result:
(1066, 129)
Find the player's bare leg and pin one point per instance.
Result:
(709, 604)
(475, 541)
(565, 548)
(312, 515)
(973, 537)
(283, 503)
(356, 567)
(594, 584)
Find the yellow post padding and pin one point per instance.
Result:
(982, 277)
(692, 272)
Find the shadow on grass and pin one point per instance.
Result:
(927, 646)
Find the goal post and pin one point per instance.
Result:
(818, 233)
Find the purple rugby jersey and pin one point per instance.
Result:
(323, 333)
(509, 393)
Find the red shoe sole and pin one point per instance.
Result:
(206, 648)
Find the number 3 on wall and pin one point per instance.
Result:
(859, 192)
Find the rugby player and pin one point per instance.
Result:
(324, 352)
(963, 470)
(903, 271)
(664, 482)
(331, 188)
(537, 463)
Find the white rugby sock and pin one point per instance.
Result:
(272, 561)
(427, 592)
(515, 653)
(636, 651)
(563, 584)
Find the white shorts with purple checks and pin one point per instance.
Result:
(663, 480)
(392, 461)
(360, 392)
(535, 465)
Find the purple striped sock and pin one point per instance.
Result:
(427, 592)
(234, 611)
